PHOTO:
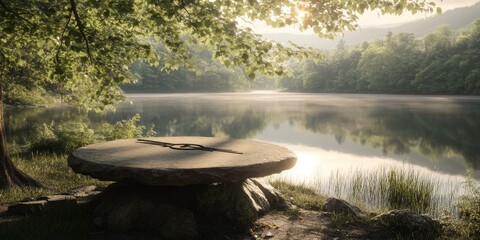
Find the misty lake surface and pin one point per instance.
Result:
(335, 136)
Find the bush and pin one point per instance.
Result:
(68, 136)
(125, 129)
(62, 138)
(19, 95)
(74, 135)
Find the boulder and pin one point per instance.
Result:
(339, 206)
(275, 199)
(139, 213)
(234, 206)
(405, 224)
(61, 202)
(26, 208)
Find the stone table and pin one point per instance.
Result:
(198, 179)
(155, 165)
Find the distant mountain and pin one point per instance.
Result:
(456, 18)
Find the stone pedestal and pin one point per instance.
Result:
(186, 212)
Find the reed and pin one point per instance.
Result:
(386, 188)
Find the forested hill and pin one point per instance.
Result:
(455, 19)
(442, 62)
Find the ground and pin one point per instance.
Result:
(302, 225)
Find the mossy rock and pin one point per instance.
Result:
(404, 224)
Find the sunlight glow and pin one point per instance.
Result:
(368, 19)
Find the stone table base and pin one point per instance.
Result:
(185, 212)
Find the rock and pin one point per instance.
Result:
(27, 200)
(257, 199)
(238, 204)
(132, 161)
(269, 235)
(405, 224)
(275, 199)
(61, 202)
(139, 213)
(26, 208)
(234, 206)
(57, 198)
(3, 209)
(82, 190)
(339, 206)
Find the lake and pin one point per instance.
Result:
(336, 137)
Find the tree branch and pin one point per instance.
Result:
(8, 9)
(63, 33)
(81, 28)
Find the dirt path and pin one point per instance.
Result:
(303, 225)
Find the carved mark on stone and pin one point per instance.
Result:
(186, 146)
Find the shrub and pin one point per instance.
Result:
(124, 129)
(68, 136)
(19, 95)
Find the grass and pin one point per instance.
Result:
(300, 195)
(387, 188)
(49, 168)
(467, 226)
(394, 189)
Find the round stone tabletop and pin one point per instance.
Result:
(159, 161)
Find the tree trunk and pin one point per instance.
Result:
(10, 176)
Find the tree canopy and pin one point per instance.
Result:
(82, 49)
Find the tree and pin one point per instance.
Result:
(83, 48)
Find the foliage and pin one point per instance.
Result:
(209, 75)
(469, 208)
(442, 62)
(70, 135)
(82, 49)
(21, 95)
(124, 129)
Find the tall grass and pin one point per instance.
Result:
(469, 208)
(393, 189)
(386, 188)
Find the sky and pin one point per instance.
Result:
(371, 19)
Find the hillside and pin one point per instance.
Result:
(456, 18)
